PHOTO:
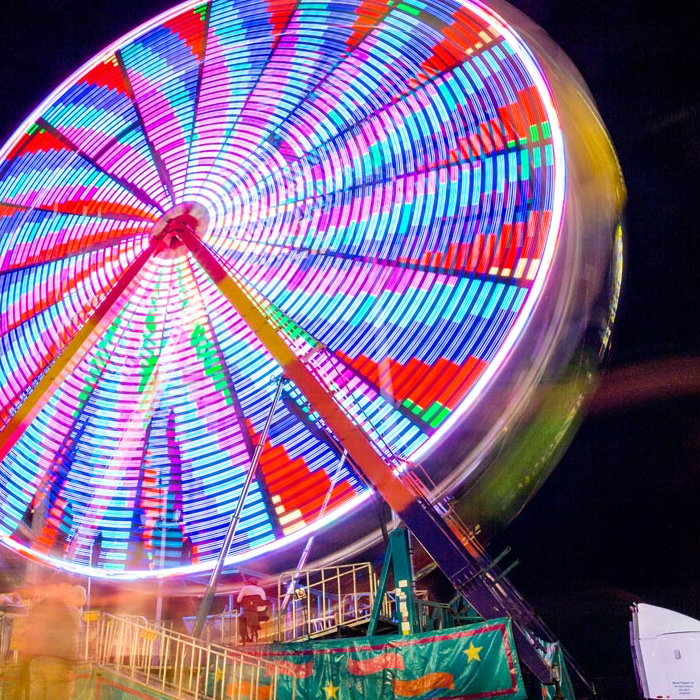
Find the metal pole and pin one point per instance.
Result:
(307, 549)
(92, 549)
(216, 573)
(163, 541)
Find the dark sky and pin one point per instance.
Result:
(618, 520)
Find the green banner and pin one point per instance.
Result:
(475, 661)
(103, 684)
(554, 657)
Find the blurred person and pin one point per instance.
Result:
(252, 601)
(168, 540)
(62, 530)
(9, 601)
(16, 676)
(138, 558)
(187, 555)
(53, 633)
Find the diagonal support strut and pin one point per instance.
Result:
(457, 556)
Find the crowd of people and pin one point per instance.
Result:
(44, 643)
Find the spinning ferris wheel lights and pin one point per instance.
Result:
(392, 190)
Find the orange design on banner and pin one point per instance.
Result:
(246, 689)
(289, 668)
(367, 667)
(419, 686)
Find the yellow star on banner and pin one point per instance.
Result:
(331, 690)
(218, 675)
(473, 652)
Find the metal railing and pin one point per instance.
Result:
(172, 663)
(8, 646)
(223, 628)
(435, 616)
(432, 615)
(176, 664)
(319, 601)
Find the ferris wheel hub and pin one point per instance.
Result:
(190, 216)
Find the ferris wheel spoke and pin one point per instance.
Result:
(475, 139)
(470, 262)
(280, 17)
(354, 41)
(96, 115)
(162, 70)
(83, 283)
(243, 428)
(221, 359)
(41, 173)
(475, 142)
(321, 397)
(489, 257)
(71, 353)
(64, 253)
(201, 389)
(136, 191)
(366, 337)
(155, 156)
(53, 491)
(192, 138)
(363, 340)
(419, 82)
(144, 420)
(472, 257)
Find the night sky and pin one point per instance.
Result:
(618, 520)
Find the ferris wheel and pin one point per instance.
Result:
(319, 236)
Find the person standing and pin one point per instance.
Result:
(252, 601)
(54, 625)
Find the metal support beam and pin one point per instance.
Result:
(233, 526)
(348, 434)
(398, 558)
(71, 355)
(458, 557)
